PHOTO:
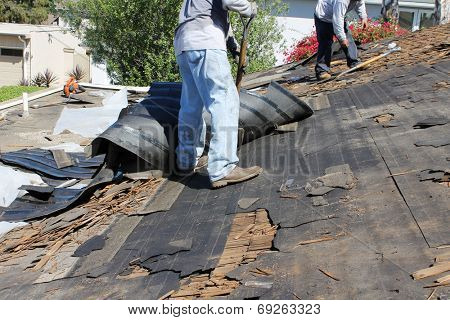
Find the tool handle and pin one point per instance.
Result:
(365, 63)
(242, 62)
(243, 52)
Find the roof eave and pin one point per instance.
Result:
(17, 34)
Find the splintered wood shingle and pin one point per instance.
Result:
(250, 235)
(76, 225)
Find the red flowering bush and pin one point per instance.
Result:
(377, 29)
(302, 49)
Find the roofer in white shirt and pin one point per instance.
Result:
(200, 45)
(330, 20)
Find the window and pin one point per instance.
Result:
(415, 19)
(406, 19)
(426, 19)
(11, 52)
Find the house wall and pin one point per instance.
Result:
(99, 74)
(48, 47)
(59, 52)
(299, 20)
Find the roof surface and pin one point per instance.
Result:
(377, 149)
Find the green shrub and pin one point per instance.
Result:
(135, 37)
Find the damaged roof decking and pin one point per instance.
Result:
(379, 232)
(429, 45)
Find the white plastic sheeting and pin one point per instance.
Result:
(67, 147)
(78, 186)
(10, 182)
(8, 226)
(90, 122)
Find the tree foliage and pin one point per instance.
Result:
(25, 11)
(265, 35)
(135, 37)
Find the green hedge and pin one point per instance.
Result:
(11, 92)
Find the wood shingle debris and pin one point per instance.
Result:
(428, 45)
(440, 176)
(251, 234)
(382, 118)
(441, 266)
(133, 272)
(328, 274)
(436, 269)
(76, 225)
(321, 239)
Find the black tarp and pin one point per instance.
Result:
(144, 137)
(42, 161)
(29, 207)
(149, 129)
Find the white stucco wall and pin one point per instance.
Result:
(49, 46)
(99, 74)
(58, 51)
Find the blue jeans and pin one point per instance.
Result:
(207, 83)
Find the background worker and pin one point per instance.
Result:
(200, 47)
(72, 87)
(329, 19)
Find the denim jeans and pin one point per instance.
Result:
(207, 83)
(325, 33)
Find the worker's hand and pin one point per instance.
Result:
(365, 23)
(254, 9)
(344, 43)
(235, 50)
(236, 56)
(245, 62)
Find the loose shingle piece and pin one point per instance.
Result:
(93, 244)
(438, 142)
(246, 203)
(335, 177)
(430, 122)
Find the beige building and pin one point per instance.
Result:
(26, 50)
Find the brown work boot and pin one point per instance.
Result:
(201, 163)
(323, 76)
(237, 175)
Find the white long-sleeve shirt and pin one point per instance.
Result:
(334, 11)
(204, 24)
